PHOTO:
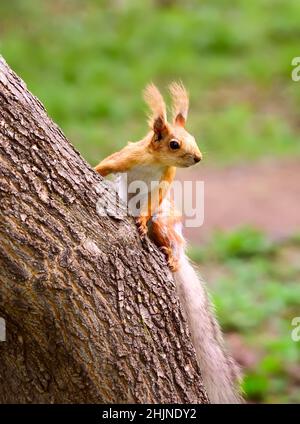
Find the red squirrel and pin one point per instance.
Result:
(155, 159)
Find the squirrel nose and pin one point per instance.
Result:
(197, 158)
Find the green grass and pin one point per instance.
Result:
(257, 294)
(88, 62)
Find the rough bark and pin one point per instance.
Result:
(92, 313)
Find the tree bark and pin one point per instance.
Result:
(91, 313)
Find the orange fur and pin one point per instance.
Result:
(163, 232)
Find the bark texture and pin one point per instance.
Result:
(91, 313)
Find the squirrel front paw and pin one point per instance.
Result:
(141, 223)
(173, 262)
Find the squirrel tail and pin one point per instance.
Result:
(219, 372)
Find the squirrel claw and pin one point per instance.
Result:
(173, 263)
(141, 222)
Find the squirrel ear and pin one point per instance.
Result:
(180, 120)
(155, 101)
(159, 127)
(180, 100)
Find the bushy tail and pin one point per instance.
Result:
(219, 372)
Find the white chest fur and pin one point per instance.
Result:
(139, 181)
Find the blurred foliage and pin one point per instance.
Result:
(88, 62)
(243, 243)
(256, 292)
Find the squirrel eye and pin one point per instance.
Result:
(174, 144)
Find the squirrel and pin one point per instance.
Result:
(155, 159)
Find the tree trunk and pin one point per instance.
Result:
(91, 313)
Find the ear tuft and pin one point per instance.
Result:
(180, 100)
(157, 106)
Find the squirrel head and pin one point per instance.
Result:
(170, 143)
